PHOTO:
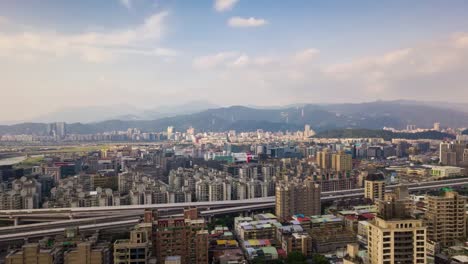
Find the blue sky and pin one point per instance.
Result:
(57, 54)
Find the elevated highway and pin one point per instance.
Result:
(105, 218)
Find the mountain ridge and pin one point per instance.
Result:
(370, 115)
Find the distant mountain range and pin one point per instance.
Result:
(322, 117)
(95, 114)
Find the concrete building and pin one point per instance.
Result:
(89, 253)
(352, 255)
(324, 159)
(394, 237)
(374, 187)
(137, 249)
(445, 218)
(185, 237)
(446, 171)
(342, 162)
(297, 197)
(34, 254)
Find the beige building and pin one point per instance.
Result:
(88, 253)
(137, 249)
(394, 237)
(352, 255)
(297, 197)
(33, 254)
(342, 162)
(446, 218)
(324, 159)
(374, 187)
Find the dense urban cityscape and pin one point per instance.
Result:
(233, 197)
(233, 132)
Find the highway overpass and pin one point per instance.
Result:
(104, 218)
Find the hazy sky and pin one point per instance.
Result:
(56, 53)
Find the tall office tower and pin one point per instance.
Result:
(394, 237)
(170, 131)
(308, 132)
(445, 218)
(186, 237)
(297, 197)
(324, 159)
(436, 127)
(137, 249)
(342, 162)
(51, 129)
(374, 187)
(61, 129)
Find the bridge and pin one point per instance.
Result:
(56, 220)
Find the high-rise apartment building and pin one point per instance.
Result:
(374, 187)
(342, 162)
(452, 154)
(445, 218)
(297, 197)
(324, 159)
(394, 237)
(186, 237)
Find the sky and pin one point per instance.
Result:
(56, 55)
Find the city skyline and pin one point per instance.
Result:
(229, 52)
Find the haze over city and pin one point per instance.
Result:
(233, 132)
(58, 55)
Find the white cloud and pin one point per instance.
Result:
(224, 5)
(211, 61)
(425, 71)
(305, 55)
(241, 61)
(246, 22)
(90, 46)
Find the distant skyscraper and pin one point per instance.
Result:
(411, 127)
(61, 129)
(436, 126)
(170, 131)
(58, 129)
(308, 132)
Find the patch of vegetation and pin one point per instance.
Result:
(30, 162)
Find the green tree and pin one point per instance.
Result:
(319, 259)
(296, 257)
